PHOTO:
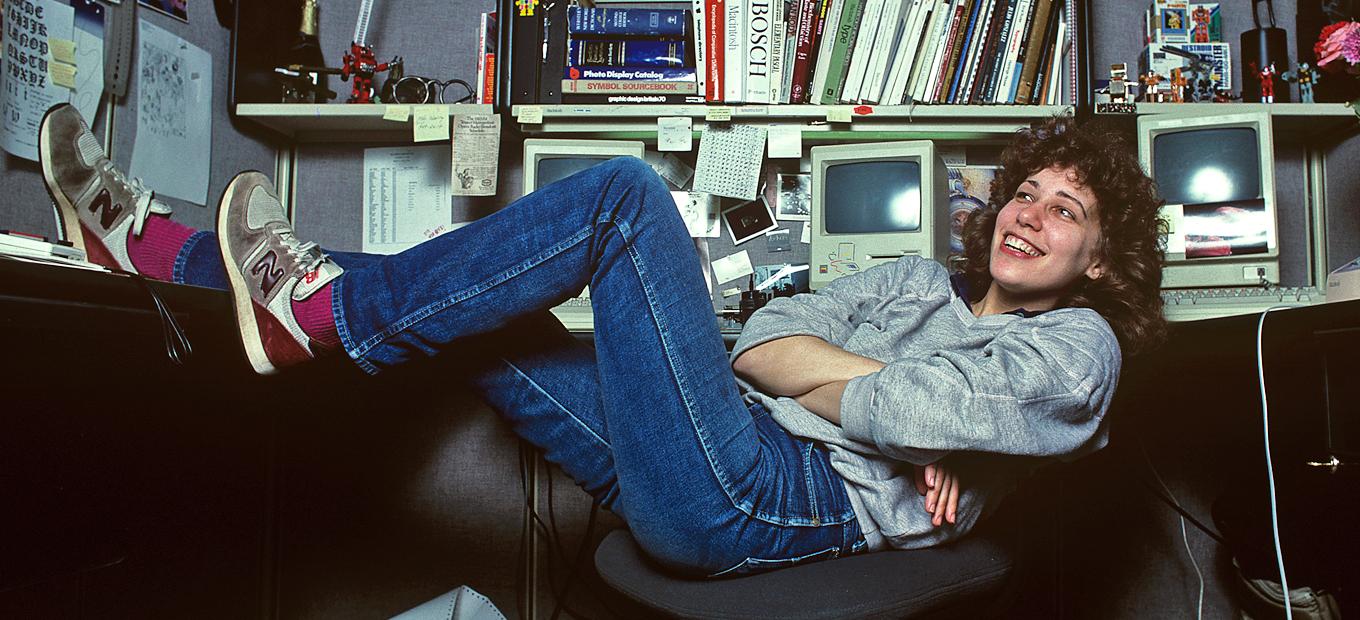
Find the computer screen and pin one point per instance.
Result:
(874, 203)
(547, 161)
(1217, 175)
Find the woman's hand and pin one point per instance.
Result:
(940, 485)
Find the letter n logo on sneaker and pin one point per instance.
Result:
(269, 275)
(108, 212)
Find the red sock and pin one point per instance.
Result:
(155, 251)
(317, 320)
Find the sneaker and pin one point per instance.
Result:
(97, 206)
(267, 270)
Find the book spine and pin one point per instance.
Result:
(1006, 72)
(605, 22)
(609, 98)
(481, 58)
(802, 55)
(825, 43)
(965, 43)
(699, 42)
(998, 49)
(715, 16)
(625, 53)
(956, 51)
(629, 86)
(869, 25)
(1033, 51)
(904, 54)
(845, 40)
(489, 80)
(734, 61)
(791, 9)
(885, 49)
(920, 73)
(1045, 62)
(939, 80)
(757, 47)
(649, 74)
(970, 73)
(776, 51)
(526, 51)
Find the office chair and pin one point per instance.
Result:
(981, 575)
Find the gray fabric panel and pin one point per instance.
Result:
(232, 150)
(1292, 215)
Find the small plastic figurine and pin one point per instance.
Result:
(1177, 89)
(1152, 87)
(1306, 76)
(361, 63)
(1201, 17)
(1120, 86)
(1267, 76)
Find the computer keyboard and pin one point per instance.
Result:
(1210, 303)
(575, 313)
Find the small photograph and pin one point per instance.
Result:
(178, 9)
(1174, 22)
(969, 189)
(748, 220)
(794, 198)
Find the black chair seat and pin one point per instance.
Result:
(966, 578)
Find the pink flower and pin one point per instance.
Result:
(1339, 41)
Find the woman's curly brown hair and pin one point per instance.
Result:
(1128, 294)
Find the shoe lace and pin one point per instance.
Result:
(307, 253)
(144, 202)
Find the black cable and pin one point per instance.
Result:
(580, 557)
(177, 346)
(527, 461)
(1171, 501)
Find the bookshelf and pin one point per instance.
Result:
(335, 122)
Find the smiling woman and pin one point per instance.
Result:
(1072, 222)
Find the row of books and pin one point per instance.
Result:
(891, 51)
(793, 51)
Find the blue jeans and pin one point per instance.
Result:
(650, 421)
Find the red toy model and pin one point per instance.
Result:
(1201, 17)
(1267, 76)
(362, 64)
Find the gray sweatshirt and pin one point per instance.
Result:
(994, 391)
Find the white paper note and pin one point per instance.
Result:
(174, 115)
(406, 197)
(27, 91)
(807, 233)
(675, 133)
(786, 141)
(729, 161)
(476, 146)
(670, 167)
(732, 267)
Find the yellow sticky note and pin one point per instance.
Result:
(63, 50)
(430, 122)
(720, 114)
(531, 115)
(62, 74)
(397, 113)
(838, 114)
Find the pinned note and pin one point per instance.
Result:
(785, 141)
(63, 50)
(531, 115)
(718, 114)
(431, 123)
(398, 113)
(838, 114)
(675, 133)
(63, 75)
(733, 266)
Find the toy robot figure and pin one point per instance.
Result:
(361, 63)
(1152, 88)
(1201, 16)
(1267, 76)
(1178, 83)
(1306, 76)
(1120, 91)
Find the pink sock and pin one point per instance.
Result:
(316, 319)
(154, 253)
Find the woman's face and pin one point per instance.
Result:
(1046, 239)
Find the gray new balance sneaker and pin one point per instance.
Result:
(267, 269)
(97, 205)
